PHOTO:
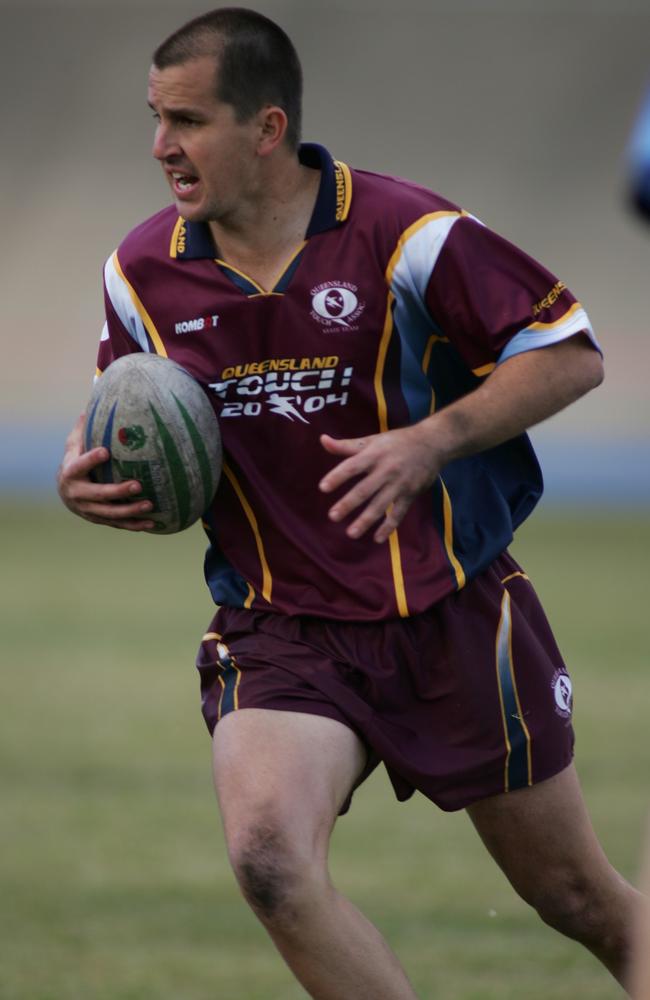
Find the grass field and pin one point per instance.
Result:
(113, 878)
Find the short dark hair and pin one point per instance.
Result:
(258, 63)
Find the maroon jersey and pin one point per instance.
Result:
(396, 304)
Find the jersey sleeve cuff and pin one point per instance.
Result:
(544, 334)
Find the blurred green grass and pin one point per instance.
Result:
(114, 882)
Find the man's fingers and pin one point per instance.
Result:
(82, 464)
(342, 446)
(114, 513)
(384, 506)
(392, 513)
(353, 465)
(86, 491)
(133, 524)
(388, 471)
(116, 505)
(359, 493)
(77, 462)
(359, 459)
(394, 517)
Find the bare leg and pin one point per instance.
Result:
(281, 778)
(543, 840)
(641, 964)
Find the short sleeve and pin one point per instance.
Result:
(492, 301)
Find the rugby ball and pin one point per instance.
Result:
(159, 426)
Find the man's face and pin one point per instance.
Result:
(207, 156)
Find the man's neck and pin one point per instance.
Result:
(274, 219)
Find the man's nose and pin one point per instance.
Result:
(164, 143)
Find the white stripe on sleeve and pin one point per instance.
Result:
(544, 334)
(122, 303)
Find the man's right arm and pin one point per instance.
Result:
(117, 505)
(113, 504)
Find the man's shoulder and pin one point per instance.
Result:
(403, 196)
(151, 239)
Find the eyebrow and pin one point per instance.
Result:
(178, 112)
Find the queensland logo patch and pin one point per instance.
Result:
(562, 693)
(336, 304)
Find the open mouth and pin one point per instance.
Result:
(184, 184)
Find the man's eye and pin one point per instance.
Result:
(155, 116)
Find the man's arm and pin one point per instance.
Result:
(397, 465)
(114, 504)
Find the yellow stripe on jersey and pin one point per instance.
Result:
(343, 180)
(448, 519)
(558, 322)
(484, 369)
(267, 581)
(513, 575)
(382, 412)
(142, 312)
(398, 575)
(288, 264)
(426, 359)
(381, 362)
(274, 283)
(250, 597)
(409, 233)
(241, 274)
(177, 243)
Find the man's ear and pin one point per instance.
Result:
(272, 123)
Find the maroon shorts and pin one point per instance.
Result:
(466, 700)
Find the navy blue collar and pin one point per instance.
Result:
(193, 240)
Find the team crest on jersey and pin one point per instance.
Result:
(562, 693)
(336, 304)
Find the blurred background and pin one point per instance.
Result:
(114, 880)
(520, 111)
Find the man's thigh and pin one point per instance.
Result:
(541, 834)
(286, 770)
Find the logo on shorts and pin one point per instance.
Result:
(335, 303)
(563, 693)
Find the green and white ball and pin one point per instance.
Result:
(159, 426)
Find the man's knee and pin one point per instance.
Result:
(274, 875)
(570, 902)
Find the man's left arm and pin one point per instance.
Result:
(392, 468)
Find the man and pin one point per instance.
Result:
(374, 355)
